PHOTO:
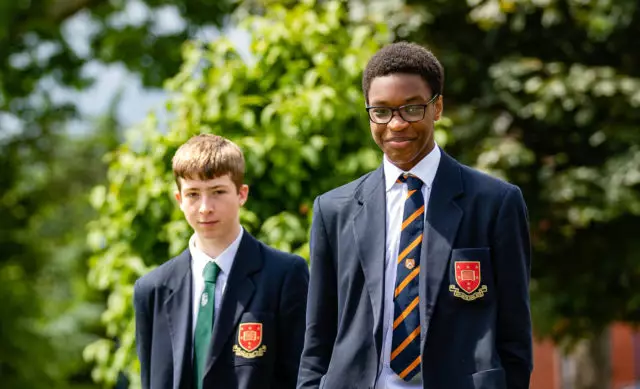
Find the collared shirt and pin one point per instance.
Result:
(425, 170)
(198, 261)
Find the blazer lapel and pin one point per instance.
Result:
(239, 290)
(178, 312)
(369, 229)
(442, 220)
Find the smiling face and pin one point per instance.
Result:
(212, 208)
(404, 143)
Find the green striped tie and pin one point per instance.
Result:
(204, 325)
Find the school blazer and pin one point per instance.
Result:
(257, 336)
(473, 335)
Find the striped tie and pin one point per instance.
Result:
(405, 354)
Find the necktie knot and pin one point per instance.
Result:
(210, 272)
(413, 182)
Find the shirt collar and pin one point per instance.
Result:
(425, 170)
(224, 260)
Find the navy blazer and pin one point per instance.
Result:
(476, 340)
(265, 286)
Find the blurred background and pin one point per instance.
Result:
(96, 95)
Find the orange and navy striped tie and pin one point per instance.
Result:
(405, 349)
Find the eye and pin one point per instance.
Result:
(413, 109)
(381, 112)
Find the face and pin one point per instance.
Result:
(212, 207)
(404, 143)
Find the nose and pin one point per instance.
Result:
(397, 123)
(206, 206)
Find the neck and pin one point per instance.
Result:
(213, 247)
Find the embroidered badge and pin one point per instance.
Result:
(250, 341)
(410, 263)
(205, 299)
(468, 278)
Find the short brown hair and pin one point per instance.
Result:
(208, 156)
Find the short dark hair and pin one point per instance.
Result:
(404, 57)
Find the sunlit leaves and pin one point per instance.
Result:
(553, 108)
(599, 18)
(295, 107)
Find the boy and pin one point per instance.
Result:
(229, 311)
(420, 269)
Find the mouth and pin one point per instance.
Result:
(208, 223)
(399, 142)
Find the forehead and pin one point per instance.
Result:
(196, 183)
(398, 89)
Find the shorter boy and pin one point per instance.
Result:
(229, 311)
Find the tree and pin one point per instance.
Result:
(546, 95)
(541, 93)
(45, 172)
(33, 44)
(296, 109)
(48, 312)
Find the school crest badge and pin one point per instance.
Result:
(468, 278)
(250, 341)
(250, 336)
(468, 275)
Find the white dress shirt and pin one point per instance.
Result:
(425, 170)
(198, 261)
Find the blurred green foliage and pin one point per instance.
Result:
(49, 313)
(294, 107)
(537, 94)
(546, 94)
(33, 46)
(543, 93)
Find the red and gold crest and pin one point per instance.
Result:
(468, 275)
(250, 336)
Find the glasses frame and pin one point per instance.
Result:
(398, 109)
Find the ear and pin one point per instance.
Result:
(439, 107)
(243, 194)
(178, 197)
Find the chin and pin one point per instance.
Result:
(209, 234)
(401, 161)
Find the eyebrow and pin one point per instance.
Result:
(214, 187)
(411, 99)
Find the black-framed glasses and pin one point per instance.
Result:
(409, 113)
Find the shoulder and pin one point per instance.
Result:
(343, 195)
(347, 190)
(485, 185)
(163, 273)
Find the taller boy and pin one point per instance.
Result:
(419, 269)
(229, 311)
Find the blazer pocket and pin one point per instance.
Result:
(489, 379)
(254, 338)
(471, 275)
